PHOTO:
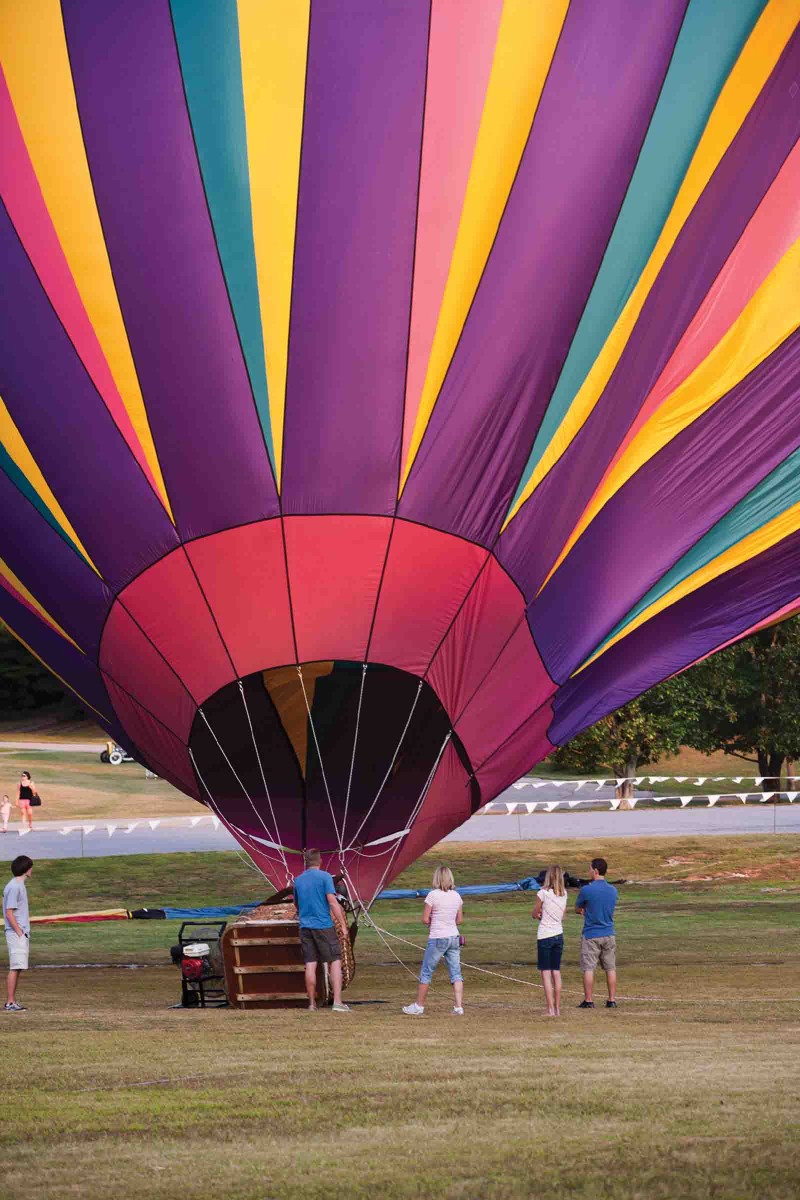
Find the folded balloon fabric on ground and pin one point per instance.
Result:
(388, 392)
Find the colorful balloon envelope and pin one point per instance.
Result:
(388, 391)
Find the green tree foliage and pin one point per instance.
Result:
(746, 700)
(24, 683)
(643, 731)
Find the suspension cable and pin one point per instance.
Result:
(422, 797)
(321, 764)
(355, 744)
(389, 771)
(278, 838)
(395, 849)
(217, 811)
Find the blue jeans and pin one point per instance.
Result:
(436, 950)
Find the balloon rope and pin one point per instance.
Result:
(251, 863)
(321, 764)
(421, 800)
(355, 744)
(278, 837)
(389, 770)
(272, 837)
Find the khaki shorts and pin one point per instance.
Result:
(602, 950)
(18, 948)
(320, 945)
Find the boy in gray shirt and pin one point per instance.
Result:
(17, 921)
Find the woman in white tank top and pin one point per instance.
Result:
(442, 914)
(549, 910)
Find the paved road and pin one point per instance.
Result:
(664, 822)
(48, 842)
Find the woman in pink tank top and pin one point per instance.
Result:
(442, 914)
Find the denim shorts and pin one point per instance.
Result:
(436, 949)
(549, 951)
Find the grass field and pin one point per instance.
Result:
(80, 786)
(691, 1092)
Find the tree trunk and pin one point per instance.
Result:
(790, 774)
(627, 790)
(770, 765)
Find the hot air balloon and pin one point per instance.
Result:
(390, 391)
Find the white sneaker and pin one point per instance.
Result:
(414, 1010)
(340, 1008)
(458, 1012)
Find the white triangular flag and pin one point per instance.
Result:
(132, 826)
(559, 782)
(765, 796)
(615, 804)
(633, 801)
(551, 804)
(658, 778)
(154, 824)
(680, 778)
(712, 800)
(791, 796)
(23, 832)
(685, 800)
(742, 796)
(89, 828)
(638, 780)
(738, 778)
(700, 780)
(573, 803)
(521, 783)
(510, 805)
(719, 778)
(758, 779)
(68, 829)
(619, 782)
(111, 827)
(194, 821)
(579, 784)
(541, 783)
(531, 805)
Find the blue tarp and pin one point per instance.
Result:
(530, 884)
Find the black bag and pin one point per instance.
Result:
(36, 801)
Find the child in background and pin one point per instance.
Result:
(5, 812)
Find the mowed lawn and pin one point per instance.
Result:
(689, 1089)
(79, 786)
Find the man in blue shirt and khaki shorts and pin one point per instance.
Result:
(315, 897)
(596, 903)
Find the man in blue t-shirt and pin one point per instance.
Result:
(596, 903)
(315, 897)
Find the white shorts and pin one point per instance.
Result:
(18, 950)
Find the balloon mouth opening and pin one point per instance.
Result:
(330, 754)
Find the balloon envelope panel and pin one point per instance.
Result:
(388, 392)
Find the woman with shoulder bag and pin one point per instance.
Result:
(27, 797)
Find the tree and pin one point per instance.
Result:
(641, 732)
(24, 683)
(746, 701)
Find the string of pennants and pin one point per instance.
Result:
(638, 780)
(128, 826)
(530, 806)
